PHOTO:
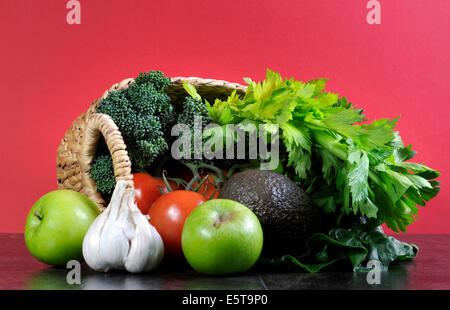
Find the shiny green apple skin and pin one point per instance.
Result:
(56, 225)
(221, 237)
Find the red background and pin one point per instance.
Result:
(52, 71)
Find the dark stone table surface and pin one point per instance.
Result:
(429, 271)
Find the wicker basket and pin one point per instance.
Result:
(78, 147)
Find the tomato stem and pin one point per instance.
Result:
(213, 194)
(199, 185)
(161, 190)
(169, 188)
(215, 172)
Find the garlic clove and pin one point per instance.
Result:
(91, 243)
(114, 245)
(146, 243)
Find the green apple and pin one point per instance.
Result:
(56, 225)
(221, 236)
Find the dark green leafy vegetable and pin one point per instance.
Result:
(354, 247)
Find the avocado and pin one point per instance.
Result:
(286, 213)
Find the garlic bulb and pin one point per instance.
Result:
(122, 238)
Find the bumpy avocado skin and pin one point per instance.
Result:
(286, 213)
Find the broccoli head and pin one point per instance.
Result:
(144, 113)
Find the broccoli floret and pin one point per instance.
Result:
(143, 112)
(102, 172)
(194, 107)
(155, 78)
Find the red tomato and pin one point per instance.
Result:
(168, 214)
(147, 190)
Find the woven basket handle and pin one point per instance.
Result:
(102, 125)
